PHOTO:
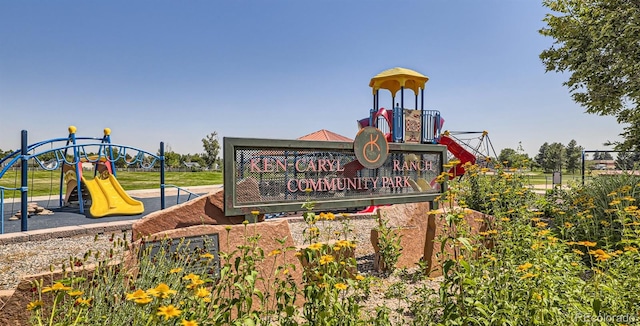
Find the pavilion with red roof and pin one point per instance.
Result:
(325, 135)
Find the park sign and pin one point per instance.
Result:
(272, 175)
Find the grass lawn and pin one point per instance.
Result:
(45, 183)
(539, 178)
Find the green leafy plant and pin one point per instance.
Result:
(389, 244)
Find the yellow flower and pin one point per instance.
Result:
(537, 245)
(567, 225)
(528, 275)
(275, 252)
(630, 248)
(541, 224)
(341, 286)
(325, 259)
(255, 213)
(505, 219)
(315, 246)
(163, 291)
(600, 254)
(343, 243)
(175, 270)
(35, 305)
(207, 256)
(359, 277)
(525, 266)
(191, 277)
(543, 232)
(308, 190)
(330, 217)
(56, 287)
(75, 293)
(83, 302)
(574, 264)
(587, 243)
(143, 301)
(137, 295)
(195, 283)
(579, 252)
(168, 311)
(202, 292)
(185, 322)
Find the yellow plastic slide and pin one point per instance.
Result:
(108, 198)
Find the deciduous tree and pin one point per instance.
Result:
(211, 149)
(596, 45)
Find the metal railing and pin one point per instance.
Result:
(2, 190)
(182, 189)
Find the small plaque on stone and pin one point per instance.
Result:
(200, 254)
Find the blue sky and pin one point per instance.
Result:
(175, 71)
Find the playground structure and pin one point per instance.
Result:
(102, 193)
(420, 126)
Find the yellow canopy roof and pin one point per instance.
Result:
(394, 78)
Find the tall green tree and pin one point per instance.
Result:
(211, 149)
(573, 155)
(512, 158)
(541, 157)
(555, 157)
(626, 160)
(507, 156)
(596, 45)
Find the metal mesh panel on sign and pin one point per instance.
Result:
(282, 175)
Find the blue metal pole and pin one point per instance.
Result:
(583, 167)
(24, 181)
(162, 205)
(397, 131)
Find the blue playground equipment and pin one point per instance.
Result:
(70, 155)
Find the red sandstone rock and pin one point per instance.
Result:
(204, 210)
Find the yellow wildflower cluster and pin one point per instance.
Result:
(195, 280)
(488, 233)
(345, 244)
(325, 259)
(600, 254)
(327, 216)
(60, 287)
(524, 267)
(315, 246)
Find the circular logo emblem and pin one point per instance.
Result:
(371, 147)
